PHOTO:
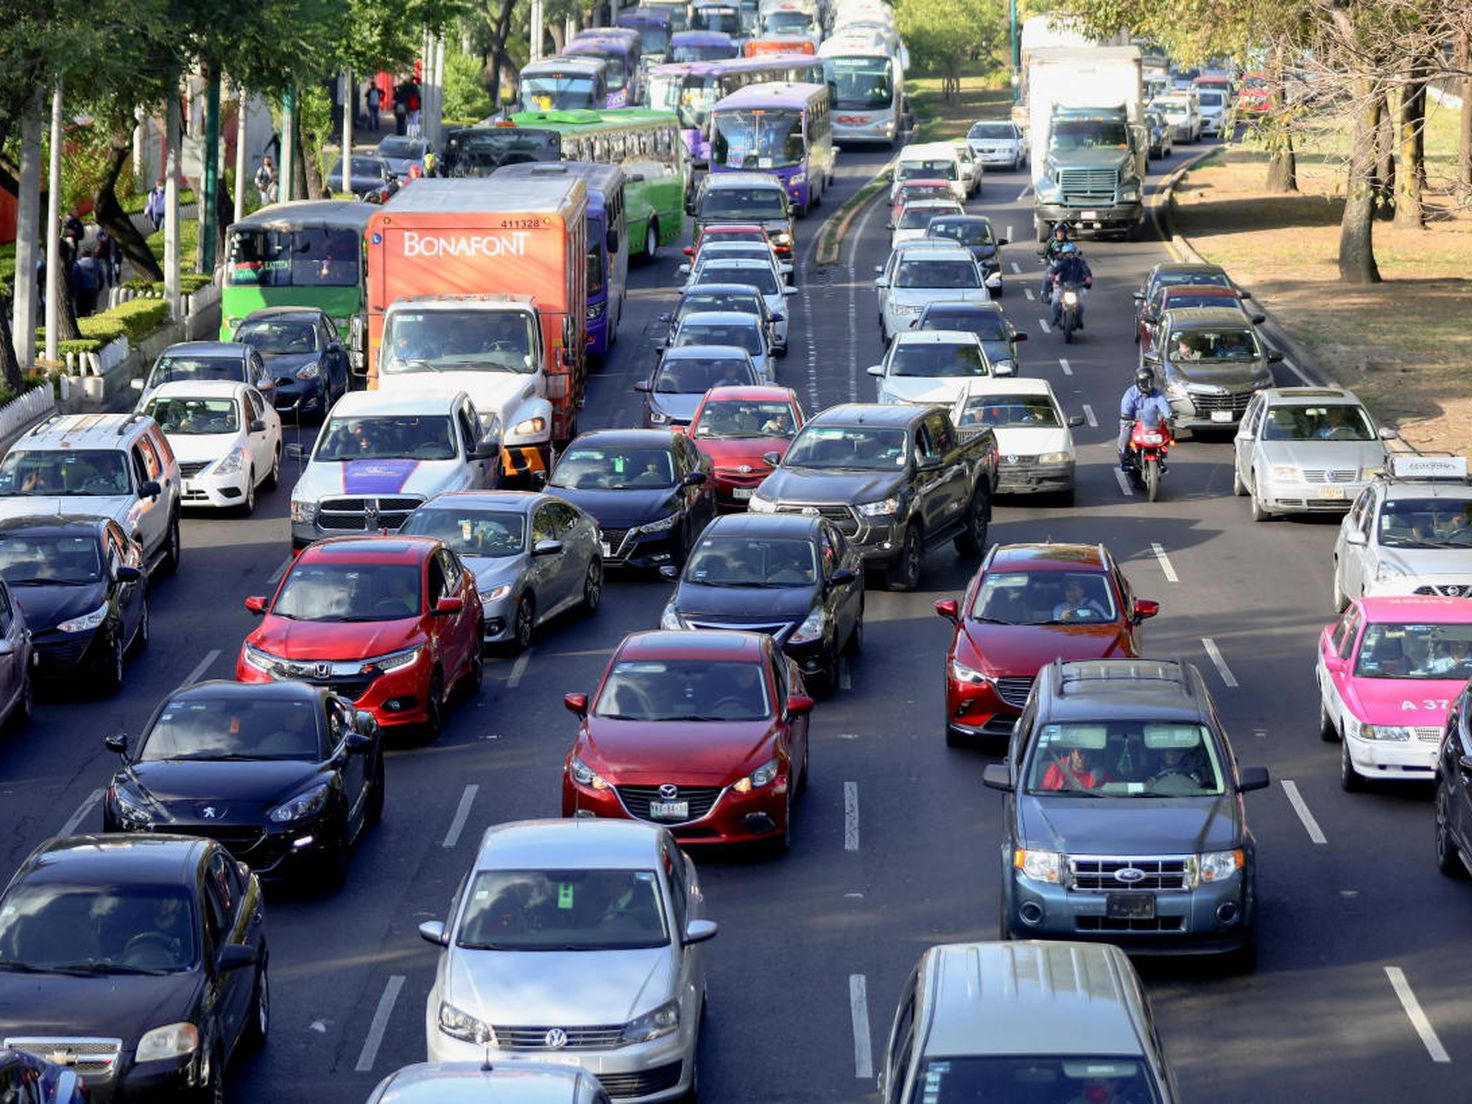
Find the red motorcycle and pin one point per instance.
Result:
(1146, 455)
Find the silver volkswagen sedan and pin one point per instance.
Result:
(534, 555)
(576, 941)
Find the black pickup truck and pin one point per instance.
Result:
(896, 479)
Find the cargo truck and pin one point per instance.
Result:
(481, 286)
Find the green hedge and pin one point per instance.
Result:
(188, 282)
(188, 243)
(7, 267)
(135, 320)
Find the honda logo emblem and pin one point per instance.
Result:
(324, 670)
(669, 791)
(555, 1038)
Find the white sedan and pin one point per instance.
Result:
(226, 436)
(930, 366)
(1034, 438)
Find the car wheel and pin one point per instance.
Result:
(692, 1094)
(1328, 731)
(248, 506)
(1340, 599)
(855, 642)
(1238, 487)
(110, 667)
(1255, 506)
(475, 672)
(783, 842)
(140, 634)
(651, 241)
(523, 623)
(212, 1078)
(593, 587)
(373, 813)
(680, 545)
(25, 705)
(1350, 779)
(175, 550)
(334, 871)
(1448, 856)
(904, 574)
(827, 678)
(972, 541)
(258, 1024)
(434, 707)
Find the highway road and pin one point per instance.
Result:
(1359, 995)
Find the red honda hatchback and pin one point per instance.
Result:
(737, 428)
(701, 732)
(394, 623)
(1029, 605)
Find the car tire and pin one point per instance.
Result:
(1448, 856)
(334, 870)
(1238, 487)
(1350, 780)
(523, 624)
(1254, 507)
(904, 573)
(173, 547)
(651, 241)
(1328, 730)
(248, 504)
(140, 634)
(110, 666)
(212, 1079)
(373, 812)
(1341, 600)
(972, 541)
(475, 672)
(434, 706)
(855, 643)
(258, 1020)
(827, 679)
(593, 587)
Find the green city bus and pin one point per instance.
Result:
(646, 145)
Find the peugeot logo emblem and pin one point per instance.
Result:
(209, 812)
(323, 670)
(555, 1038)
(669, 791)
(1129, 875)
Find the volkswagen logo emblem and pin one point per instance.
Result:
(811, 511)
(1011, 458)
(555, 1038)
(669, 791)
(323, 670)
(209, 812)
(1129, 875)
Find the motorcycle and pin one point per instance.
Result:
(1067, 309)
(1149, 446)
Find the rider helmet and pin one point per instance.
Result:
(1144, 378)
(1068, 248)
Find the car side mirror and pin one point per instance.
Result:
(1004, 241)
(487, 448)
(879, 269)
(644, 385)
(433, 931)
(997, 776)
(150, 489)
(1138, 296)
(610, 240)
(576, 703)
(1274, 356)
(547, 548)
(1253, 778)
(1075, 421)
(670, 573)
(1144, 608)
(888, 225)
(448, 605)
(875, 370)
(1020, 335)
(694, 479)
(1465, 763)
(118, 742)
(698, 931)
(538, 480)
(1336, 665)
(1356, 537)
(1244, 294)
(1387, 433)
(1259, 319)
(258, 426)
(928, 463)
(787, 291)
(256, 604)
(666, 317)
(881, 282)
(776, 318)
(949, 609)
(357, 741)
(235, 956)
(127, 573)
(365, 721)
(1151, 355)
(689, 251)
(334, 346)
(799, 704)
(842, 577)
(295, 452)
(772, 458)
(683, 270)
(136, 383)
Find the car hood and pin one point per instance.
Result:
(47, 606)
(1325, 454)
(237, 792)
(649, 753)
(492, 571)
(1420, 702)
(1018, 651)
(728, 452)
(203, 448)
(1023, 441)
(623, 509)
(920, 297)
(335, 640)
(822, 487)
(1446, 564)
(923, 389)
(680, 407)
(499, 393)
(117, 507)
(1128, 825)
(1229, 375)
(109, 1006)
(744, 604)
(285, 364)
(565, 988)
(394, 476)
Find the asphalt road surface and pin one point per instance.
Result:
(1359, 995)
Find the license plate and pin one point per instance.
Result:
(1334, 493)
(669, 810)
(1221, 415)
(1088, 216)
(607, 551)
(741, 493)
(1130, 906)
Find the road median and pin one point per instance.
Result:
(832, 233)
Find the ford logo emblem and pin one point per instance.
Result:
(1129, 875)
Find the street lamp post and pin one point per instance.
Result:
(1016, 50)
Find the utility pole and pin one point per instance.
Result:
(242, 99)
(171, 207)
(27, 235)
(208, 222)
(1016, 51)
(347, 130)
(54, 275)
(286, 170)
(439, 88)
(538, 34)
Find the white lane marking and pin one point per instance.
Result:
(518, 669)
(1124, 482)
(1043, 322)
(845, 677)
(1310, 825)
(1016, 268)
(1012, 237)
(858, 1003)
(376, 1029)
(201, 667)
(1024, 193)
(280, 571)
(1414, 1013)
(1297, 371)
(462, 814)
(850, 816)
(1029, 294)
(1217, 661)
(74, 821)
(1164, 560)
(1093, 421)
(1067, 368)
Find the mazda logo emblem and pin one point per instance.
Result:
(555, 1038)
(669, 791)
(1129, 875)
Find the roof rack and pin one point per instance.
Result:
(1124, 671)
(128, 421)
(43, 423)
(1416, 466)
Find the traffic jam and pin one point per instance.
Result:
(578, 635)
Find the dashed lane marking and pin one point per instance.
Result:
(518, 669)
(1029, 294)
(1310, 825)
(850, 816)
(1124, 482)
(1093, 421)
(1016, 268)
(1043, 322)
(83, 811)
(462, 814)
(369, 1054)
(1163, 559)
(1414, 1013)
(201, 667)
(858, 1003)
(1218, 661)
(1067, 368)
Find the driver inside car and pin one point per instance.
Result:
(1075, 605)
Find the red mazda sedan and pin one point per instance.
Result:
(737, 429)
(1029, 605)
(394, 623)
(701, 732)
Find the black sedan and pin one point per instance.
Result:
(650, 491)
(367, 176)
(285, 774)
(80, 583)
(304, 355)
(139, 960)
(792, 576)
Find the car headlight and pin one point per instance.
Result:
(761, 505)
(1050, 193)
(669, 620)
(658, 417)
(662, 525)
(764, 775)
(585, 775)
(595, 311)
(1387, 569)
(394, 661)
(173, 1040)
(528, 426)
(1213, 866)
(495, 594)
(814, 627)
(1004, 368)
(1367, 474)
(1286, 472)
(782, 237)
(260, 660)
(133, 813)
(968, 675)
(652, 1025)
(1054, 457)
(1390, 733)
(906, 308)
(885, 507)
(302, 511)
(465, 1027)
(309, 371)
(1129, 195)
(87, 622)
(1039, 866)
(301, 806)
(231, 463)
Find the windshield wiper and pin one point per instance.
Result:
(23, 967)
(227, 757)
(95, 967)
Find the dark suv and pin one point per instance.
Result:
(1124, 818)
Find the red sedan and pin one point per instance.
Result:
(729, 231)
(394, 623)
(738, 429)
(704, 733)
(1028, 605)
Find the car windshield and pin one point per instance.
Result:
(937, 360)
(386, 437)
(401, 148)
(92, 929)
(965, 231)
(762, 277)
(613, 468)
(697, 375)
(361, 166)
(1177, 299)
(937, 274)
(1070, 1080)
(458, 341)
(1013, 411)
(324, 591)
(1335, 422)
(719, 301)
(1415, 651)
(988, 325)
(856, 448)
(471, 532)
(171, 369)
(278, 337)
(1211, 99)
(1404, 522)
(188, 417)
(722, 248)
(68, 473)
(761, 139)
(734, 419)
(684, 690)
(918, 218)
(940, 168)
(563, 910)
(1172, 108)
(752, 562)
(1045, 598)
(1212, 278)
(995, 132)
(744, 203)
(234, 728)
(36, 559)
(720, 333)
(1128, 759)
(1227, 344)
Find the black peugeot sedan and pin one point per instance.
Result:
(81, 585)
(286, 775)
(650, 491)
(303, 353)
(792, 576)
(140, 962)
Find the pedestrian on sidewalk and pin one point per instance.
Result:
(401, 108)
(154, 209)
(266, 181)
(88, 277)
(112, 256)
(412, 99)
(375, 100)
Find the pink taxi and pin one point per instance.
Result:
(1388, 671)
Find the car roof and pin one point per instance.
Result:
(738, 261)
(746, 290)
(733, 228)
(516, 501)
(1031, 997)
(1289, 395)
(743, 180)
(965, 218)
(386, 549)
(942, 246)
(580, 843)
(416, 400)
(115, 859)
(1425, 488)
(803, 526)
(1417, 607)
(725, 318)
(303, 313)
(934, 337)
(1086, 690)
(214, 689)
(1046, 557)
(1192, 317)
(473, 1083)
(706, 644)
(1009, 385)
(1217, 291)
(877, 414)
(753, 391)
(207, 348)
(52, 524)
(96, 431)
(625, 438)
(990, 306)
(200, 389)
(1167, 267)
(929, 204)
(692, 352)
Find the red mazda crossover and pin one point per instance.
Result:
(737, 429)
(394, 623)
(1029, 605)
(702, 732)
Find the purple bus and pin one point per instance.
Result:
(618, 49)
(702, 46)
(783, 128)
(691, 89)
(653, 25)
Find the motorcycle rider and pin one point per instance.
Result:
(1069, 268)
(1049, 254)
(1141, 402)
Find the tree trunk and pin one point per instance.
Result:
(66, 308)
(1464, 141)
(1411, 178)
(1357, 227)
(110, 214)
(1384, 170)
(498, 49)
(1282, 160)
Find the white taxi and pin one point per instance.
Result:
(227, 439)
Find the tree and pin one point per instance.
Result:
(942, 35)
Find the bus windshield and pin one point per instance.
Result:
(558, 92)
(653, 39)
(759, 139)
(458, 341)
(787, 23)
(706, 52)
(697, 97)
(309, 257)
(725, 20)
(615, 69)
(859, 83)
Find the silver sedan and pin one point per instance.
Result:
(535, 556)
(579, 938)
